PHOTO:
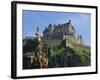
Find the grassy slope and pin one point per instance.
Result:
(63, 57)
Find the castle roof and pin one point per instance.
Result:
(59, 26)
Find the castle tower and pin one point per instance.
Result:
(71, 29)
(70, 26)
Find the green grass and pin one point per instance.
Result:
(56, 50)
(82, 53)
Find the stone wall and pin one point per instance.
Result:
(54, 34)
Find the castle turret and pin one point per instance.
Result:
(50, 27)
(70, 27)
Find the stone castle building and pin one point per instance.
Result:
(55, 34)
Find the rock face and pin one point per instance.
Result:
(36, 59)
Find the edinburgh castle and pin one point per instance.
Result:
(55, 34)
(60, 46)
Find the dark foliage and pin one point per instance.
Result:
(59, 56)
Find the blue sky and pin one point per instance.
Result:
(32, 19)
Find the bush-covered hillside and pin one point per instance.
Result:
(69, 57)
(60, 56)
